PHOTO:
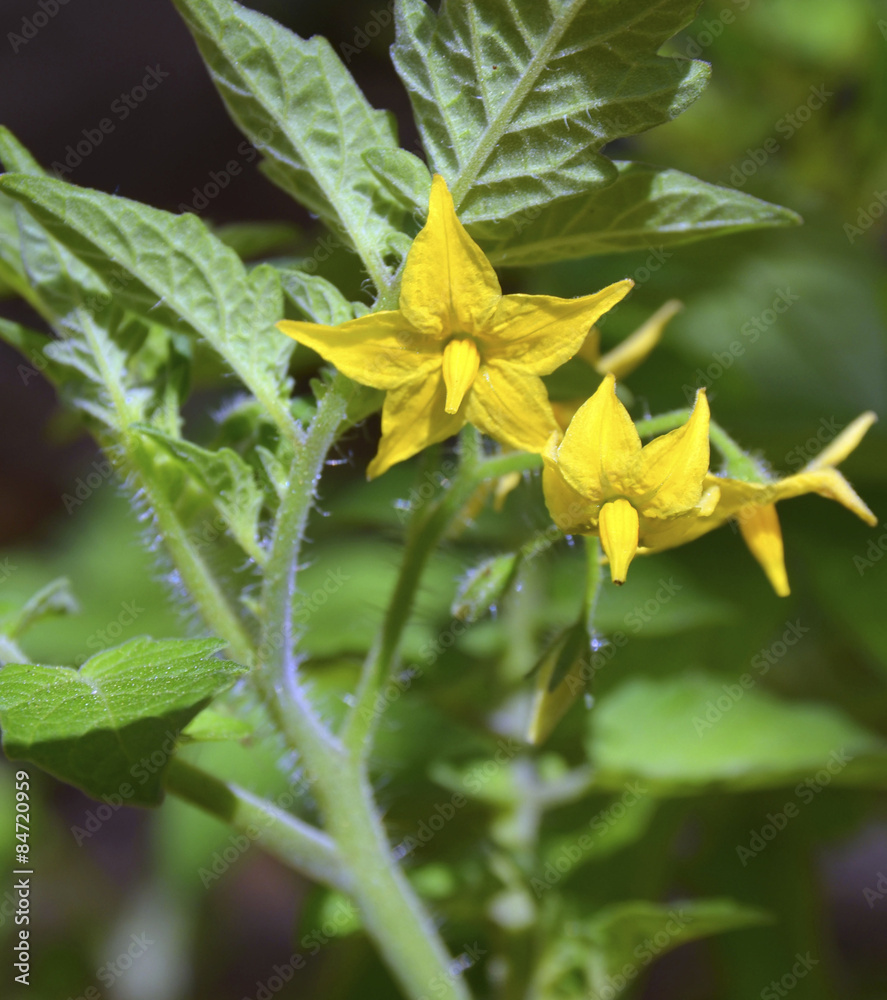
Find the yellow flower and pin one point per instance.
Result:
(457, 350)
(622, 359)
(601, 481)
(753, 504)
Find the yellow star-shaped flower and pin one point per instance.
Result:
(599, 480)
(753, 504)
(457, 350)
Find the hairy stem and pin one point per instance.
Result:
(298, 845)
(392, 913)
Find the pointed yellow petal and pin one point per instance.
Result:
(448, 284)
(413, 418)
(511, 407)
(843, 444)
(625, 357)
(538, 333)
(670, 470)
(827, 482)
(619, 536)
(461, 361)
(569, 510)
(379, 349)
(600, 446)
(762, 534)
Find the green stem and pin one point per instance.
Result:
(392, 913)
(593, 581)
(425, 531)
(298, 845)
(196, 575)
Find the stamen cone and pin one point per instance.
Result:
(619, 529)
(461, 361)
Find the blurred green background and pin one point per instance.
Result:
(794, 114)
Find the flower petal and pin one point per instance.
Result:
(600, 446)
(413, 418)
(511, 407)
(448, 284)
(569, 510)
(827, 483)
(379, 349)
(843, 444)
(625, 357)
(762, 534)
(538, 333)
(670, 470)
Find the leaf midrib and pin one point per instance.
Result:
(497, 125)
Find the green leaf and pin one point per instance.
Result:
(687, 734)
(252, 240)
(315, 298)
(210, 726)
(111, 727)
(483, 586)
(300, 106)
(229, 483)
(404, 175)
(645, 207)
(54, 599)
(171, 269)
(515, 99)
(635, 933)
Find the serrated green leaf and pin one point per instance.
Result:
(644, 208)
(315, 298)
(404, 175)
(515, 99)
(299, 104)
(171, 269)
(229, 483)
(115, 722)
(687, 734)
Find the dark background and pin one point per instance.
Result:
(822, 362)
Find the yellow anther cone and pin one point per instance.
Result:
(619, 528)
(461, 361)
